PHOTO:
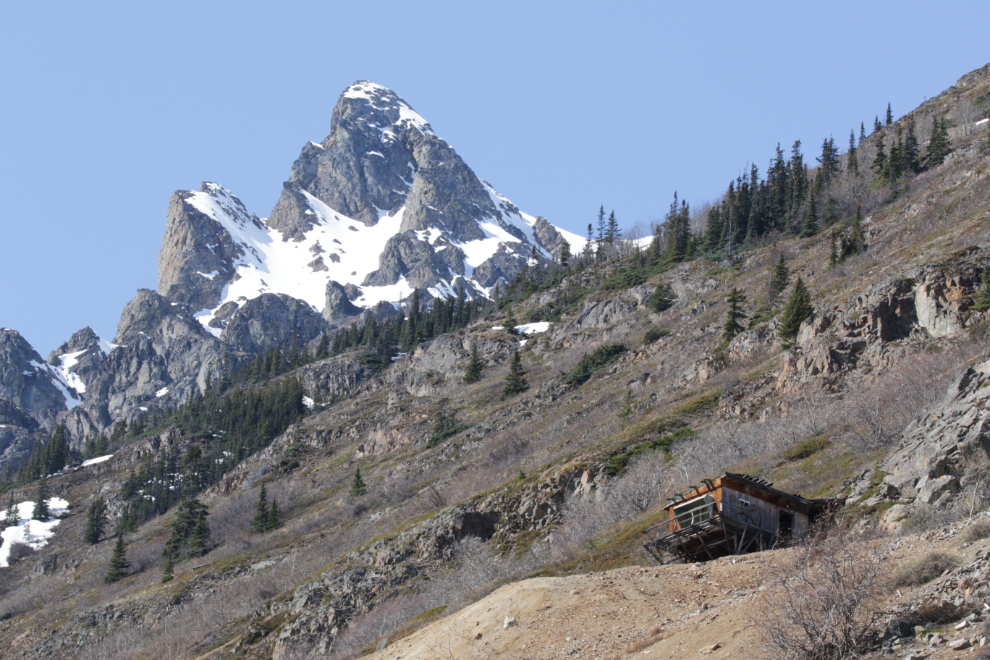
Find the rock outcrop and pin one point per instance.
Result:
(29, 383)
(269, 320)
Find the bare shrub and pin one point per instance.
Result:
(19, 551)
(144, 556)
(977, 531)
(924, 570)
(641, 485)
(910, 390)
(824, 602)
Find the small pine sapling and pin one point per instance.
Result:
(358, 487)
(118, 562)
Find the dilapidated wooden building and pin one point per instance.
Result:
(729, 515)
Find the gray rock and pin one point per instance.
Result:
(27, 381)
(339, 306)
(198, 255)
(263, 322)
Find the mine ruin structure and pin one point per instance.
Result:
(731, 515)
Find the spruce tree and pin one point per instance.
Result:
(260, 521)
(938, 144)
(118, 562)
(627, 410)
(880, 160)
(169, 573)
(857, 241)
(612, 230)
(982, 300)
(779, 279)
(876, 124)
(358, 488)
(41, 500)
(565, 254)
(473, 372)
(661, 300)
(515, 382)
(96, 521)
(734, 315)
(862, 132)
(910, 153)
(322, 350)
(796, 311)
(810, 227)
(890, 116)
(510, 321)
(274, 517)
(11, 517)
(199, 539)
(852, 163)
(833, 255)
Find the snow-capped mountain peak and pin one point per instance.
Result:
(382, 206)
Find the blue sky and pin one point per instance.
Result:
(108, 108)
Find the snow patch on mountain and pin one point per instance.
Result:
(72, 399)
(34, 533)
(68, 361)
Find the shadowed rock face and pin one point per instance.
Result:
(269, 319)
(25, 380)
(198, 255)
(339, 305)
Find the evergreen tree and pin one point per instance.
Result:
(890, 116)
(274, 517)
(57, 450)
(260, 522)
(982, 301)
(118, 562)
(473, 372)
(734, 315)
(796, 311)
(627, 410)
(600, 239)
(831, 212)
(199, 539)
(41, 500)
(588, 252)
(565, 254)
(322, 350)
(96, 520)
(909, 155)
(189, 530)
(12, 517)
(833, 255)
(612, 229)
(862, 132)
(661, 300)
(938, 144)
(510, 321)
(880, 161)
(779, 279)
(358, 488)
(857, 241)
(169, 573)
(810, 227)
(876, 124)
(852, 163)
(515, 382)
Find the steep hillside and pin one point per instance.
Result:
(406, 491)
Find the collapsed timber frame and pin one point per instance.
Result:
(731, 515)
